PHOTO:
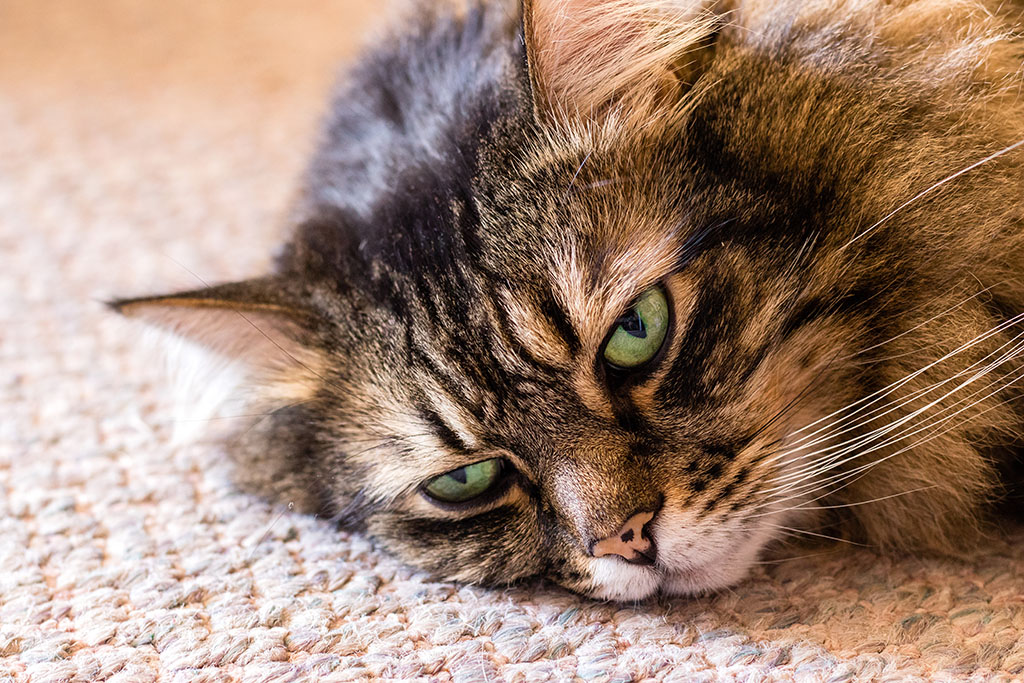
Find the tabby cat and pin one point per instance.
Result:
(623, 292)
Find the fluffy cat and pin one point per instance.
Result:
(621, 292)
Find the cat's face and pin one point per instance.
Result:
(602, 349)
(594, 381)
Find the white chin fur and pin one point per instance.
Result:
(711, 577)
(618, 580)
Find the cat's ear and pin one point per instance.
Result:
(254, 322)
(591, 58)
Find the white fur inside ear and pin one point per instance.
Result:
(207, 387)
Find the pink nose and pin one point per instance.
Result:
(631, 542)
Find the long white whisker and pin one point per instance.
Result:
(795, 558)
(920, 195)
(804, 507)
(921, 324)
(804, 532)
(861, 471)
(838, 458)
(793, 480)
(879, 395)
(793, 492)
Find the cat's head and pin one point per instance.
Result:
(582, 310)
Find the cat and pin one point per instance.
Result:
(622, 293)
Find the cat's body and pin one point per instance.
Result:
(818, 205)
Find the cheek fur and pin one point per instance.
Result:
(496, 547)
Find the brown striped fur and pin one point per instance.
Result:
(830, 195)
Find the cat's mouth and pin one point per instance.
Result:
(630, 582)
(615, 579)
(679, 569)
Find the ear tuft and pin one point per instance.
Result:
(591, 58)
(250, 322)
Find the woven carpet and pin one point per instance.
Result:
(145, 144)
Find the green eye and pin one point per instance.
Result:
(465, 483)
(639, 332)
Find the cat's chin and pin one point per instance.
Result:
(616, 580)
(622, 582)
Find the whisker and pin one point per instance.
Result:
(935, 433)
(846, 447)
(965, 346)
(921, 195)
(576, 174)
(784, 560)
(803, 507)
(804, 532)
(868, 502)
(820, 465)
(880, 394)
(814, 488)
(922, 324)
(810, 479)
(794, 401)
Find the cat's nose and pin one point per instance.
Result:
(633, 542)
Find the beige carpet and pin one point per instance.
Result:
(140, 138)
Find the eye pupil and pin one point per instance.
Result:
(465, 483)
(639, 333)
(633, 324)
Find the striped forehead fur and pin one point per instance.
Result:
(640, 244)
(595, 299)
(535, 332)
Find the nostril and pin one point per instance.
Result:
(644, 559)
(632, 542)
(644, 552)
